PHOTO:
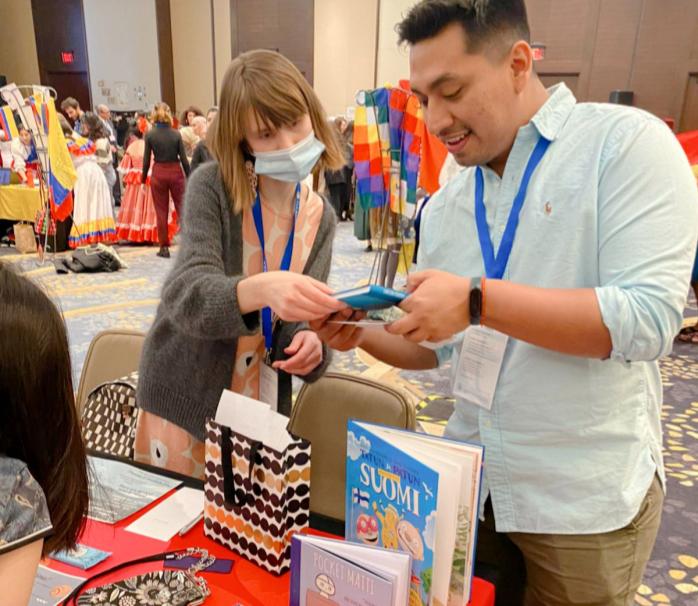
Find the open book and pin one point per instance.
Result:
(328, 572)
(418, 494)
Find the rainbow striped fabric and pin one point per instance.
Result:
(388, 130)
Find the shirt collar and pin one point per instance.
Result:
(550, 118)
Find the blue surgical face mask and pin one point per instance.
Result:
(292, 164)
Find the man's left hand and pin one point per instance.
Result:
(437, 307)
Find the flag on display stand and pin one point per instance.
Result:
(7, 123)
(62, 175)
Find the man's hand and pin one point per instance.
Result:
(341, 337)
(437, 307)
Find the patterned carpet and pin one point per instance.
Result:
(127, 299)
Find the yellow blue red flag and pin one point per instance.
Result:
(62, 175)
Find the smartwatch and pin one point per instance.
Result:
(475, 301)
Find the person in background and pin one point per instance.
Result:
(138, 123)
(93, 214)
(188, 116)
(167, 179)
(93, 128)
(68, 131)
(270, 134)
(24, 155)
(105, 116)
(193, 134)
(71, 108)
(137, 221)
(43, 466)
(211, 115)
(339, 182)
(201, 151)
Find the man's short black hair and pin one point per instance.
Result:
(484, 21)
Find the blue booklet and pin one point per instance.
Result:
(371, 297)
(418, 494)
(329, 572)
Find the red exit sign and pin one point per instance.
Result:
(67, 57)
(538, 51)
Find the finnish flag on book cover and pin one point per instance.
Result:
(360, 497)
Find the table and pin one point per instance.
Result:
(19, 202)
(246, 585)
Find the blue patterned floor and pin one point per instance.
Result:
(127, 299)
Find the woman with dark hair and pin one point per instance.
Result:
(93, 127)
(188, 115)
(43, 474)
(93, 216)
(339, 182)
(167, 180)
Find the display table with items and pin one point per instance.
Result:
(239, 582)
(19, 202)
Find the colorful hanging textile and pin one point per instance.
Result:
(388, 129)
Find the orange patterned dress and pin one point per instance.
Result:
(164, 444)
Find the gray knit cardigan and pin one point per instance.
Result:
(189, 352)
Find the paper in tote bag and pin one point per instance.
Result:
(257, 482)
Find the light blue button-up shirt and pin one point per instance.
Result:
(572, 444)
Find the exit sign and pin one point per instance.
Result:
(67, 57)
(538, 51)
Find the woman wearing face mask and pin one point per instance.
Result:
(255, 253)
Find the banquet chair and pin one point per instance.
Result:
(320, 415)
(112, 354)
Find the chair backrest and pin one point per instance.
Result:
(112, 354)
(320, 415)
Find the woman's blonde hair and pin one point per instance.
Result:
(161, 113)
(270, 85)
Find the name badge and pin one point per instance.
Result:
(269, 386)
(479, 365)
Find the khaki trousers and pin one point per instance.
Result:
(564, 570)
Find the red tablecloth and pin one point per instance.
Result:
(246, 585)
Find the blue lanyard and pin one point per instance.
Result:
(267, 325)
(495, 266)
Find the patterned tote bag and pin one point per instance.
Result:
(110, 415)
(256, 497)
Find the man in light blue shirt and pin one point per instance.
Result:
(590, 297)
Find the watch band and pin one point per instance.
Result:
(475, 301)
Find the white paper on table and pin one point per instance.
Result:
(118, 489)
(254, 420)
(166, 519)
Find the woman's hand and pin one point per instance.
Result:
(292, 297)
(306, 354)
